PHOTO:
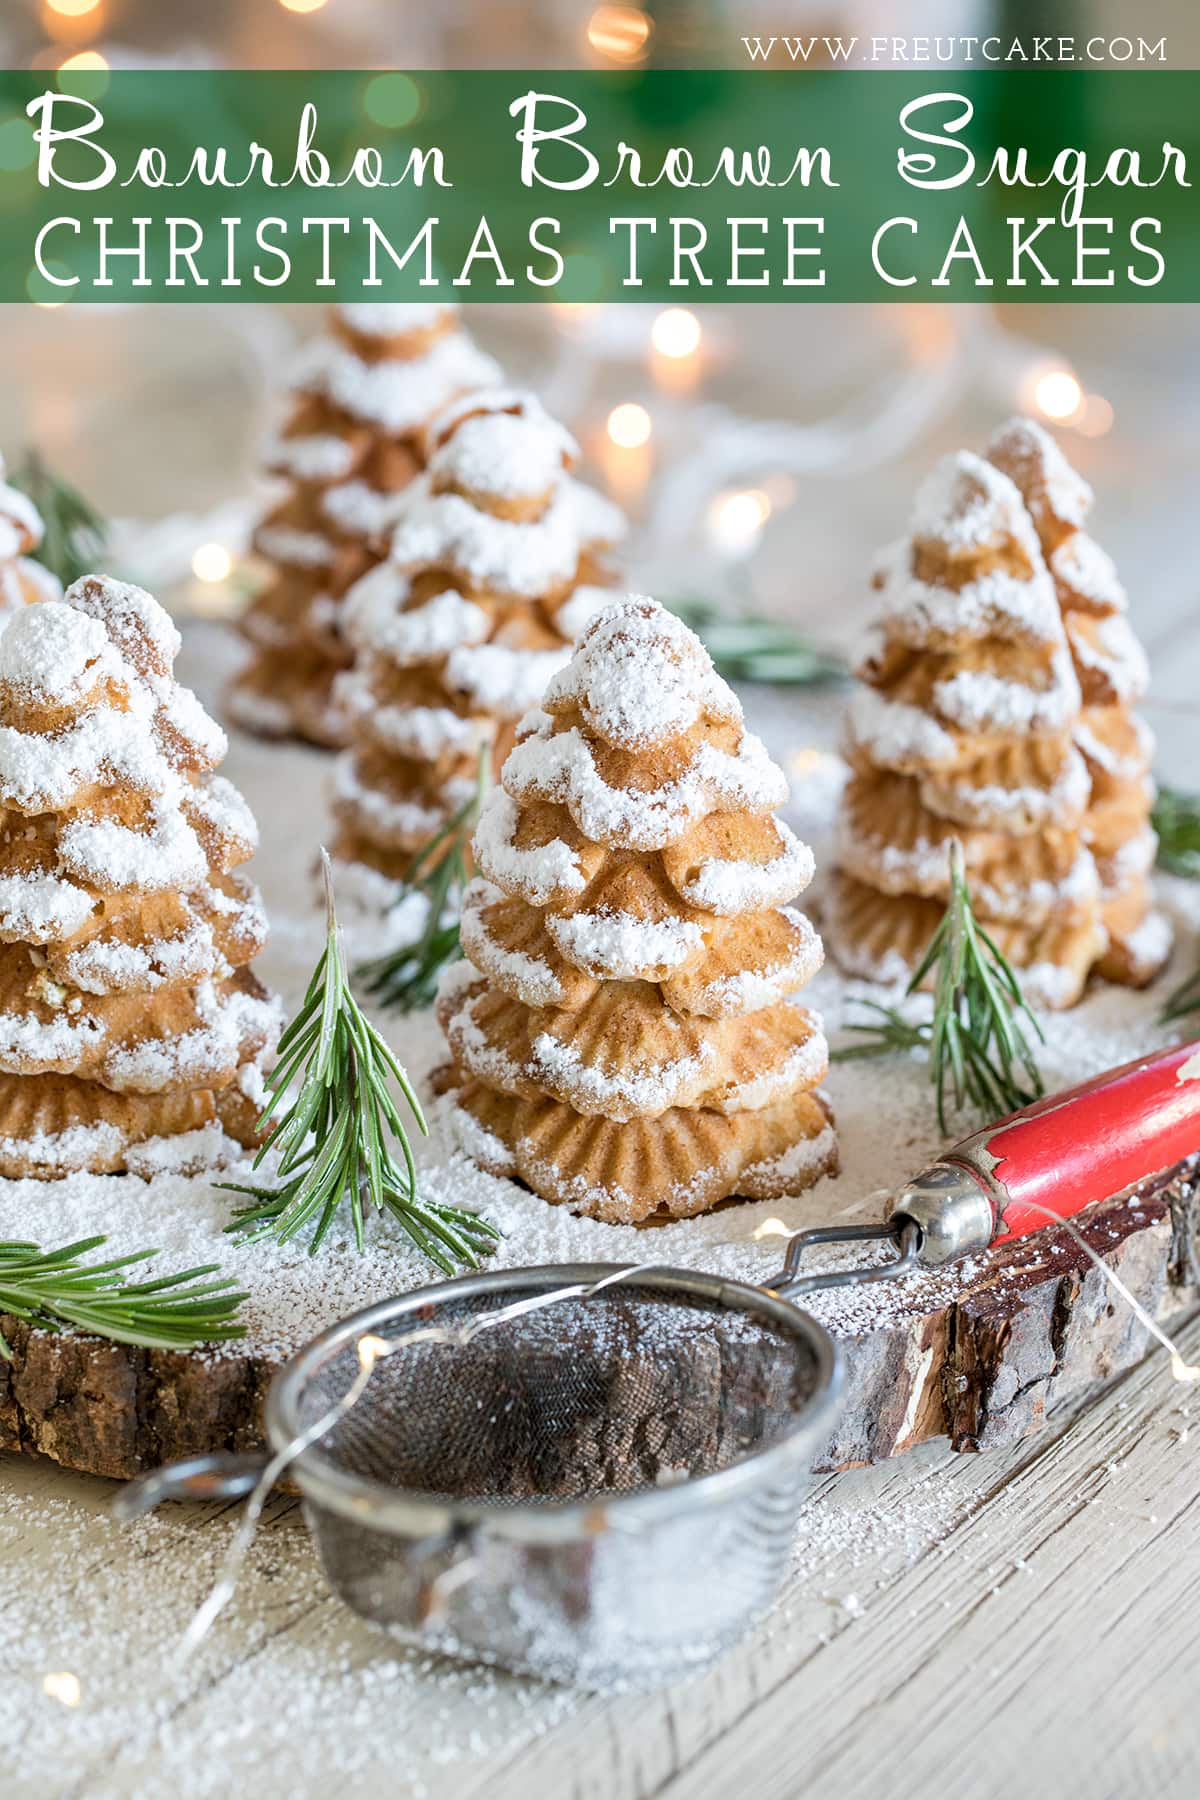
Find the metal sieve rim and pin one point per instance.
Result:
(407, 1513)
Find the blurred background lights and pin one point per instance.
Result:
(621, 33)
(17, 148)
(392, 99)
(302, 6)
(212, 562)
(735, 521)
(42, 290)
(676, 332)
(1057, 394)
(1097, 417)
(63, 1686)
(629, 425)
(72, 9)
(85, 62)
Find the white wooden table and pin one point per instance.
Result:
(1025, 1620)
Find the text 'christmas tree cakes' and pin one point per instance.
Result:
(131, 1027)
(495, 565)
(1113, 675)
(22, 580)
(353, 442)
(623, 1032)
(965, 728)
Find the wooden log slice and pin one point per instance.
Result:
(1033, 1326)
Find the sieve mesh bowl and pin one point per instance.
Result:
(602, 1490)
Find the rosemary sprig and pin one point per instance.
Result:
(746, 648)
(333, 1140)
(75, 533)
(1183, 1000)
(975, 1044)
(53, 1288)
(407, 978)
(1176, 818)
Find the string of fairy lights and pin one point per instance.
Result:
(621, 36)
(701, 481)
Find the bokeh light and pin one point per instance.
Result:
(621, 33)
(1057, 394)
(630, 425)
(735, 521)
(676, 332)
(392, 99)
(212, 562)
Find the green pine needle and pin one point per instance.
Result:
(1183, 1001)
(53, 1288)
(335, 1139)
(407, 979)
(75, 534)
(746, 648)
(977, 1050)
(1176, 818)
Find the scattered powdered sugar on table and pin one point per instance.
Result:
(141, 1726)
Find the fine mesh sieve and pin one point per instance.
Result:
(600, 1489)
(583, 1472)
(592, 1473)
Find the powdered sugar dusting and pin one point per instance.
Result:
(505, 455)
(967, 504)
(896, 734)
(538, 872)
(639, 676)
(391, 318)
(618, 946)
(977, 701)
(374, 619)
(725, 887)
(53, 653)
(525, 558)
(561, 766)
(397, 396)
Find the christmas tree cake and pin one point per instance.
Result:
(352, 444)
(131, 1026)
(1110, 663)
(623, 1031)
(495, 565)
(965, 727)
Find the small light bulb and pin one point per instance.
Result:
(630, 425)
(63, 1686)
(676, 332)
(212, 562)
(1058, 394)
(370, 1349)
(735, 521)
(71, 9)
(302, 6)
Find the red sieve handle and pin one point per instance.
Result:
(1061, 1153)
